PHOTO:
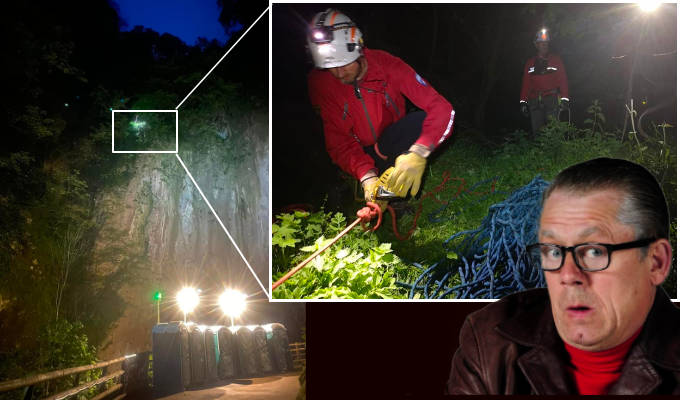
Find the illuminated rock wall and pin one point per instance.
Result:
(175, 238)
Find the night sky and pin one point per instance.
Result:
(185, 19)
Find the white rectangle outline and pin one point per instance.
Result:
(270, 292)
(113, 112)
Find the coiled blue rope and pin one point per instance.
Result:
(491, 262)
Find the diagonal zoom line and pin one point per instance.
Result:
(222, 225)
(225, 54)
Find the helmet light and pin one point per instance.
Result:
(322, 34)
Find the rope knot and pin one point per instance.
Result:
(366, 214)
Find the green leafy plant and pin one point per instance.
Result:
(596, 119)
(356, 266)
(64, 345)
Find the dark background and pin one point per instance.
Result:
(473, 55)
(382, 350)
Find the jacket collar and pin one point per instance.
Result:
(657, 349)
(375, 71)
(659, 339)
(545, 363)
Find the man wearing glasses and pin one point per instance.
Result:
(603, 325)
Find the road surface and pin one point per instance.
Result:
(275, 387)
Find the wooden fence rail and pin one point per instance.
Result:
(127, 378)
(298, 352)
(131, 377)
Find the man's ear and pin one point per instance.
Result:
(660, 253)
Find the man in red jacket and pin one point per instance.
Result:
(359, 94)
(544, 85)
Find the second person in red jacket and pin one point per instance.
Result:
(544, 85)
(359, 94)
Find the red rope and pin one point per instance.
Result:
(446, 179)
(368, 213)
(377, 151)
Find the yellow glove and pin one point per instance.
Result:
(370, 185)
(408, 171)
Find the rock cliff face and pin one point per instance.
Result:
(171, 238)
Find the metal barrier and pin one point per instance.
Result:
(130, 377)
(298, 352)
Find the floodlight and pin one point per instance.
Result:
(232, 303)
(649, 5)
(187, 299)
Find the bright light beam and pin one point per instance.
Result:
(222, 225)
(233, 303)
(187, 299)
(649, 5)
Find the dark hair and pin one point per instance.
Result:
(643, 205)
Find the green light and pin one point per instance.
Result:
(137, 125)
(158, 295)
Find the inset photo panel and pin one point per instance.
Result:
(412, 145)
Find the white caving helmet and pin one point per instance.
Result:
(543, 35)
(333, 39)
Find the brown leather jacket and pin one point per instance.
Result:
(512, 347)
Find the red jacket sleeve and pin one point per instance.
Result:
(342, 147)
(562, 77)
(438, 123)
(524, 93)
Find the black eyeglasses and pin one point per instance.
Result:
(589, 257)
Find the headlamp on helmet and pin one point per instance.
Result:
(333, 39)
(321, 34)
(542, 35)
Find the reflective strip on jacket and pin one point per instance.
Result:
(553, 81)
(387, 80)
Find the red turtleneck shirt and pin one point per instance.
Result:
(595, 371)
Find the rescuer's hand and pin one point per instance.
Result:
(408, 171)
(524, 108)
(370, 185)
